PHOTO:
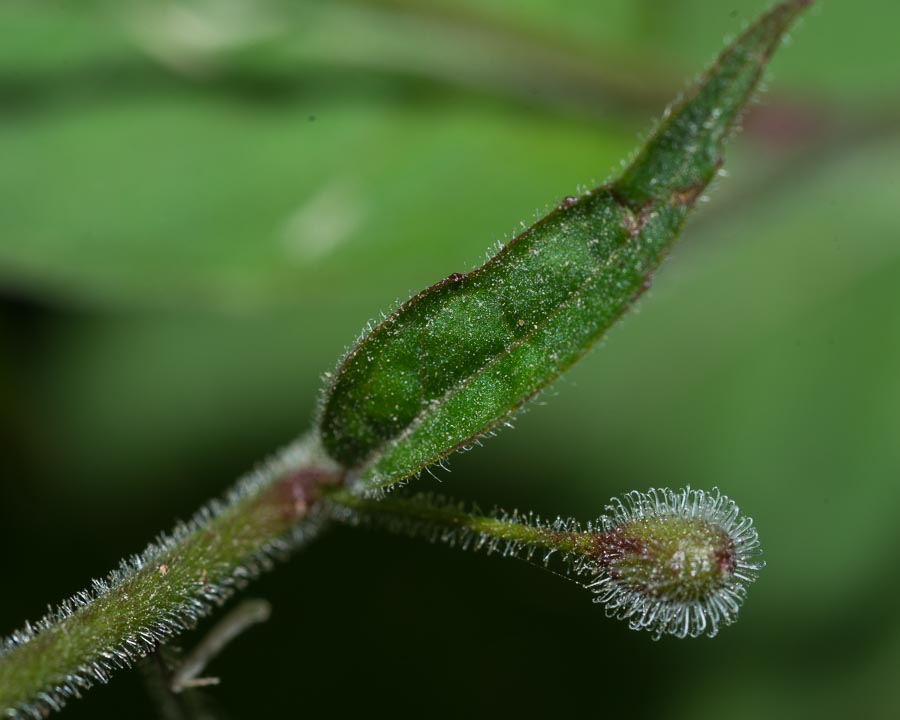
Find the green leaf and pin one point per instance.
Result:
(460, 357)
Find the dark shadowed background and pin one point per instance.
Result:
(201, 203)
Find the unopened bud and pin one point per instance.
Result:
(675, 562)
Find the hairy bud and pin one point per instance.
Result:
(675, 562)
(671, 562)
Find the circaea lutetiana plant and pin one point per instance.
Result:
(448, 367)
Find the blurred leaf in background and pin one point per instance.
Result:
(202, 202)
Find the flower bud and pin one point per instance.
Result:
(675, 562)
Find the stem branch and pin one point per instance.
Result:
(169, 587)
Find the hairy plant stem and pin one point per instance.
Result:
(453, 524)
(183, 576)
(165, 590)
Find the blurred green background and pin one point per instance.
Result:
(201, 203)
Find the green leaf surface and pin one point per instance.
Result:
(456, 360)
(129, 185)
(257, 206)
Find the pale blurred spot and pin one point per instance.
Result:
(324, 222)
(189, 38)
